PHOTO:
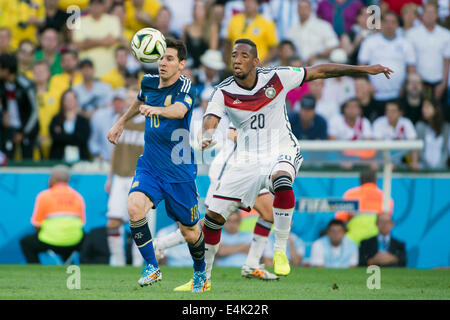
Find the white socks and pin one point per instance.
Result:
(169, 240)
(210, 253)
(256, 250)
(116, 246)
(282, 227)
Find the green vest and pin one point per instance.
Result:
(64, 231)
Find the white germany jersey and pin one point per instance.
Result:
(259, 114)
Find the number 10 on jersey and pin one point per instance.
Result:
(194, 213)
(154, 120)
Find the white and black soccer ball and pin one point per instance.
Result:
(148, 45)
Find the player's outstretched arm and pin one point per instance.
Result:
(332, 70)
(210, 123)
(116, 131)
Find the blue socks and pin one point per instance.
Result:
(143, 239)
(197, 251)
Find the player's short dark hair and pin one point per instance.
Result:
(254, 49)
(336, 222)
(368, 176)
(179, 46)
(9, 62)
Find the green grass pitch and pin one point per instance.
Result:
(104, 282)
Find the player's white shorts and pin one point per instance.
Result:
(217, 169)
(212, 189)
(241, 182)
(118, 198)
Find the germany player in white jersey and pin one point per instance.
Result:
(268, 153)
(263, 205)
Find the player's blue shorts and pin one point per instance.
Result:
(181, 199)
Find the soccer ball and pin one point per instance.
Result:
(148, 45)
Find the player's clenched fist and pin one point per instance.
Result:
(115, 132)
(205, 140)
(148, 111)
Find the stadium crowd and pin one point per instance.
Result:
(63, 71)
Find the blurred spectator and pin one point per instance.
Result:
(393, 126)
(432, 46)
(116, 77)
(341, 14)
(69, 131)
(97, 36)
(182, 14)
(294, 96)
(412, 99)
(285, 16)
(362, 224)
(55, 18)
(314, 38)
(339, 89)
(101, 122)
(252, 25)
(49, 50)
(5, 40)
(364, 93)
(202, 34)
(351, 40)
(141, 14)
(92, 94)
(295, 250)
(118, 10)
(209, 73)
(286, 51)
(70, 76)
(48, 105)
(25, 56)
(326, 108)
(19, 123)
(22, 18)
(388, 49)
(162, 22)
(306, 124)
(58, 218)
(350, 125)
(383, 250)
(234, 244)
(397, 5)
(435, 133)
(409, 18)
(334, 250)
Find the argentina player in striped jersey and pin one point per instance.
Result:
(268, 153)
(167, 169)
